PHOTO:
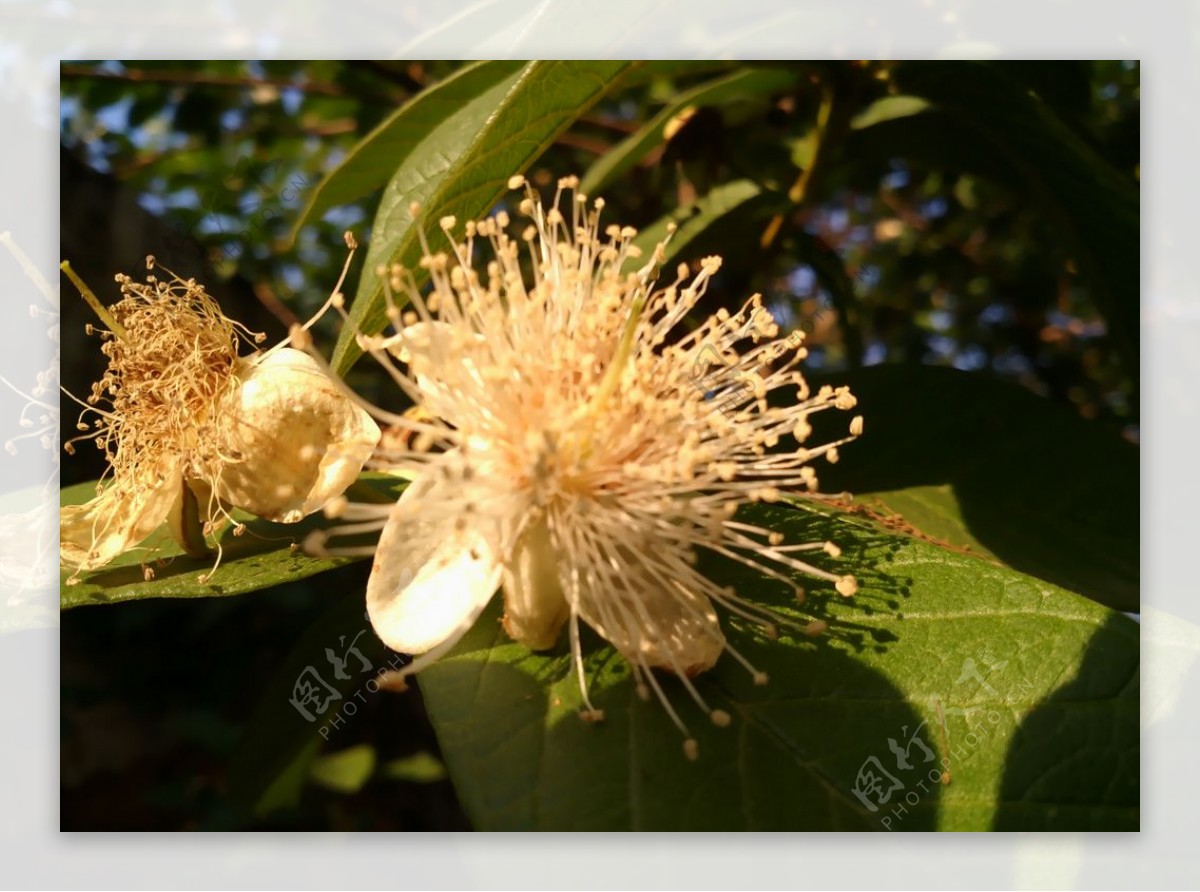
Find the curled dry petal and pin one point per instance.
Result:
(124, 514)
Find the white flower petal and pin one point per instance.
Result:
(674, 631)
(430, 580)
(435, 353)
(535, 607)
(124, 514)
(299, 441)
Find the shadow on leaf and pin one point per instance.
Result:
(1085, 730)
(792, 759)
(985, 464)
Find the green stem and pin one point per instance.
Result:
(94, 302)
(799, 190)
(30, 270)
(828, 132)
(612, 375)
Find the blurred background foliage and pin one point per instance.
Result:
(979, 217)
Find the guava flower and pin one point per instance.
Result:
(575, 446)
(192, 429)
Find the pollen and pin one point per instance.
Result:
(164, 378)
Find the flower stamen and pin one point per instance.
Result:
(572, 439)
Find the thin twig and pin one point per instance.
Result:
(94, 302)
(198, 78)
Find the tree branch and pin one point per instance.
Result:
(198, 78)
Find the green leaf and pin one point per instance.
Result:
(986, 464)
(267, 554)
(627, 153)
(1028, 691)
(371, 163)
(741, 198)
(419, 768)
(935, 138)
(346, 771)
(886, 109)
(673, 69)
(282, 790)
(462, 165)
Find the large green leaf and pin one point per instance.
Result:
(1028, 694)
(986, 464)
(461, 167)
(371, 163)
(627, 153)
(740, 199)
(267, 554)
